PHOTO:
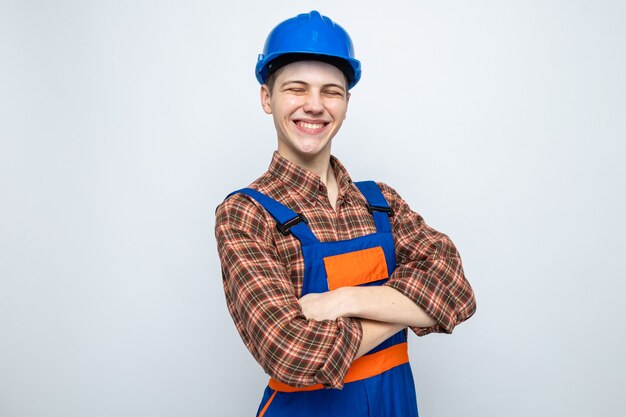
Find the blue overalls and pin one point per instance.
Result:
(380, 383)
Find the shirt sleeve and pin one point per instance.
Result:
(263, 303)
(429, 269)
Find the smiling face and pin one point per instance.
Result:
(308, 101)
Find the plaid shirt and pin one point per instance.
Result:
(262, 272)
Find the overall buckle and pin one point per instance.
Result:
(284, 228)
(387, 210)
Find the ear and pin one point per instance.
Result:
(347, 102)
(266, 99)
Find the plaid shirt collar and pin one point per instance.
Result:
(308, 184)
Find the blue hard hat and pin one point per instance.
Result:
(308, 36)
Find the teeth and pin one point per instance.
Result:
(311, 125)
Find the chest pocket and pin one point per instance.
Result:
(356, 268)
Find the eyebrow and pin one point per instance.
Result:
(305, 83)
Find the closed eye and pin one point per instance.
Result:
(333, 93)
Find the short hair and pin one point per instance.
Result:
(271, 80)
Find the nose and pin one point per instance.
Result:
(313, 103)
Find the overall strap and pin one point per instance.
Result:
(376, 204)
(287, 220)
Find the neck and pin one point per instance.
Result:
(318, 165)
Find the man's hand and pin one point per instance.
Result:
(324, 306)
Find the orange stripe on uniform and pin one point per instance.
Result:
(365, 367)
(267, 404)
(355, 268)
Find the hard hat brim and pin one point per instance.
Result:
(350, 67)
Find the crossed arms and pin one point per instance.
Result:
(384, 311)
(315, 339)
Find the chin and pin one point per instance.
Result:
(311, 152)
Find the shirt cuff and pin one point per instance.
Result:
(341, 355)
(431, 295)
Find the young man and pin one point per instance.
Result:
(322, 275)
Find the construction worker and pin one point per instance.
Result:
(323, 276)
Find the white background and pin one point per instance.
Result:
(124, 123)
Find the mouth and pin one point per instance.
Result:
(310, 126)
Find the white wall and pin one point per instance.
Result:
(124, 123)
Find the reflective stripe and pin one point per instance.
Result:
(356, 268)
(365, 367)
